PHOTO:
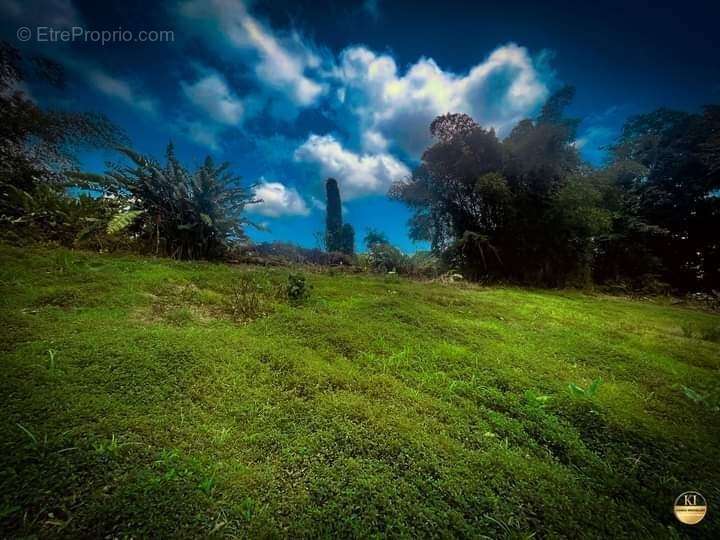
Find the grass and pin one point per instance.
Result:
(155, 398)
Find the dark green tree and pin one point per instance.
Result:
(517, 208)
(180, 213)
(373, 237)
(348, 239)
(37, 145)
(333, 217)
(666, 167)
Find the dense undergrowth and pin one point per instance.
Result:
(157, 398)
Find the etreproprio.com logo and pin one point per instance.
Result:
(78, 34)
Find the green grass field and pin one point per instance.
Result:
(156, 398)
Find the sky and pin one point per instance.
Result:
(291, 92)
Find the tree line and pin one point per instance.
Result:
(529, 209)
(524, 208)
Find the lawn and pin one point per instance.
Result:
(145, 397)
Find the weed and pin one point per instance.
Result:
(247, 508)
(207, 485)
(536, 400)
(587, 393)
(246, 301)
(51, 362)
(699, 398)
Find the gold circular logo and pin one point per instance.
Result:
(690, 508)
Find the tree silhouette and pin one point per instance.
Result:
(333, 218)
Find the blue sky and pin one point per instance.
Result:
(292, 92)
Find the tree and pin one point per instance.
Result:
(333, 218)
(518, 208)
(37, 149)
(374, 236)
(348, 239)
(186, 215)
(674, 192)
(38, 146)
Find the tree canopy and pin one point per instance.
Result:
(528, 208)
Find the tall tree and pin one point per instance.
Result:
(518, 207)
(676, 192)
(333, 217)
(348, 239)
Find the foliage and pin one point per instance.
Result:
(297, 289)
(665, 177)
(38, 145)
(122, 220)
(589, 392)
(281, 253)
(338, 237)
(37, 148)
(374, 236)
(333, 217)
(186, 215)
(246, 299)
(348, 239)
(520, 208)
(49, 215)
(384, 258)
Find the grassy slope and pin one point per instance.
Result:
(380, 406)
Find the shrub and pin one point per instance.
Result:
(285, 253)
(386, 258)
(246, 301)
(184, 214)
(297, 290)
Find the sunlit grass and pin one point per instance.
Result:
(139, 399)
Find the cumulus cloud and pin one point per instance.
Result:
(117, 88)
(211, 94)
(357, 174)
(281, 61)
(398, 107)
(278, 200)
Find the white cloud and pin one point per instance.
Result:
(211, 94)
(278, 200)
(357, 174)
(399, 107)
(120, 89)
(318, 204)
(281, 62)
(202, 133)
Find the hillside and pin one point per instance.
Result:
(151, 397)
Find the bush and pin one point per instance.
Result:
(386, 258)
(297, 289)
(246, 301)
(47, 214)
(183, 214)
(424, 264)
(285, 253)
